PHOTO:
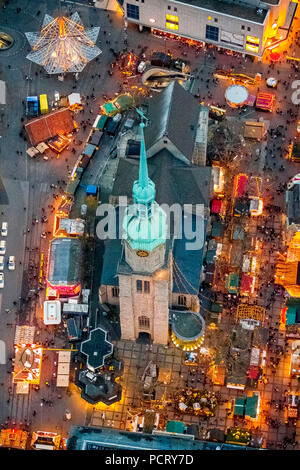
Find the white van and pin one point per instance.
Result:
(4, 229)
(1, 263)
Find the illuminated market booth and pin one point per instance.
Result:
(28, 361)
(14, 438)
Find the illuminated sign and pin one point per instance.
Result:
(253, 39)
(249, 47)
(172, 22)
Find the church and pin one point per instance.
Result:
(147, 271)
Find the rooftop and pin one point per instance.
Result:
(96, 348)
(92, 438)
(64, 261)
(173, 113)
(242, 10)
(44, 127)
(187, 325)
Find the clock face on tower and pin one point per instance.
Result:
(142, 253)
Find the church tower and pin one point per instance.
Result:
(145, 281)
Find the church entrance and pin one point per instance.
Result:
(144, 338)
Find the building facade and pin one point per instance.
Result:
(248, 26)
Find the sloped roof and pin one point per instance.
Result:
(173, 113)
(49, 125)
(174, 181)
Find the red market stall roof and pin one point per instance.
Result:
(216, 206)
(250, 100)
(253, 372)
(49, 125)
(275, 56)
(265, 101)
(246, 284)
(240, 185)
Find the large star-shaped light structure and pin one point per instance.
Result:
(63, 45)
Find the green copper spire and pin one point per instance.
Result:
(143, 173)
(144, 223)
(143, 188)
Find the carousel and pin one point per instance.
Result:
(236, 96)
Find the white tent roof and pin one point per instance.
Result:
(74, 98)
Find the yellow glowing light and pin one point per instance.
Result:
(253, 39)
(171, 25)
(172, 18)
(249, 47)
(209, 18)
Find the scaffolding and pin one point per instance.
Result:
(63, 45)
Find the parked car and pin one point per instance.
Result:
(1, 280)
(1, 263)
(2, 247)
(11, 263)
(4, 229)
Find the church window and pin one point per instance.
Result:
(182, 300)
(146, 287)
(115, 291)
(144, 322)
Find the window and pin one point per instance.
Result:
(243, 27)
(182, 300)
(216, 20)
(172, 22)
(175, 9)
(133, 11)
(147, 287)
(252, 44)
(139, 286)
(144, 322)
(248, 29)
(115, 291)
(169, 8)
(143, 287)
(212, 33)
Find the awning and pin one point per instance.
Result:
(240, 185)
(250, 100)
(217, 229)
(291, 316)
(275, 56)
(251, 406)
(253, 372)
(89, 150)
(95, 137)
(265, 101)
(232, 283)
(246, 284)
(239, 406)
(210, 256)
(216, 206)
